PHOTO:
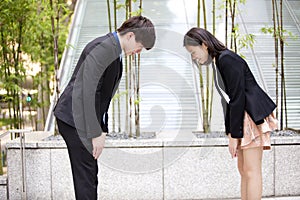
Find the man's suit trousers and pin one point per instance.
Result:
(84, 166)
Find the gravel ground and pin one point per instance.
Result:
(112, 136)
(149, 135)
(222, 134)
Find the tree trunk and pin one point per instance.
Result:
(129, 8)
(141, 6)
(283, 89)
(137, 105)
(55, 33)
(204, 14)
(136, 96)
(130, 93)
(118, 91)
(1, 163)
(18, 91)
(214, 17)
(278, 30)
(274, 8)
(198, 14)
(207, 97)
(226, 22)
(204, 110)
(212, 82)
(115, 14)
(108, 14)
(110, 30)
(233, 31)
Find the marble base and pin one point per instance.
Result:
(3, 187)
(153, 169)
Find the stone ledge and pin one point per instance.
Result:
(154, 169)
(3, 180)
(295, 140)
(155, 142)
(3, 187)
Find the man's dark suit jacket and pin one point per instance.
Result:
(85, 101)
(244, 93)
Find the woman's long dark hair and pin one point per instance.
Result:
(197, 36)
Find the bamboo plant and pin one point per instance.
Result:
(132, 80)
(279, 34)
(27, 39)
(237, 42)
(206, 89)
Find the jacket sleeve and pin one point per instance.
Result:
(233, 76)
(92, 73)
(87, 81)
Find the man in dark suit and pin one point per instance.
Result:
(81, 110)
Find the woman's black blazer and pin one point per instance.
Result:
(244, 93)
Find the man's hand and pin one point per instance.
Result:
(233, 145)
(98, 145)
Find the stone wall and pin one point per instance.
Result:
(3, 187)
(154, 169)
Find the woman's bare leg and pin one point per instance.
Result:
(252, 170)
(243, 177)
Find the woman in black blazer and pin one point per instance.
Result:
(249, 114)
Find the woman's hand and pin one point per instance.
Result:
(233, 145)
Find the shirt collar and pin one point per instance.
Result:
(117, 39)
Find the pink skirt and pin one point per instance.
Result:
(258, 135)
